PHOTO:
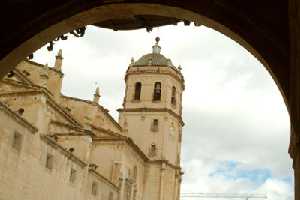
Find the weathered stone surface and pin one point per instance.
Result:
(58, 147)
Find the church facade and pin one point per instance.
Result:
(57, 147)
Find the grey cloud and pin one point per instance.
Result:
(230, 136)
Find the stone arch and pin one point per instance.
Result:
(67, 19)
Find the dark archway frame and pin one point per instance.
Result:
(267, 29)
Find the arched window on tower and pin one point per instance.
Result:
(173, 97)
(157, 91)
(137, 90)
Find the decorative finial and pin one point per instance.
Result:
(58, 61)
(59, 54)
(169, 63)
(97, 95)
(132, 60)
(156, 48)
(157, 39)
(46, 68)
(97, 92)
(179, 68)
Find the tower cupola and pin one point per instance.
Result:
(153, 103)
(152, 81)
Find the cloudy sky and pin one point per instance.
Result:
(237, 127)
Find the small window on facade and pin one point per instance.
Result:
(173, 98)
(17, 141)
(49, 161)
(154, 125)
(10, 74)
(21, 111)
(137, 91)
(73, 175)
(68, 109)
(94, 188)
(26, 72)
(157, 91)
(152, 151)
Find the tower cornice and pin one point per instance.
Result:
(169, 111)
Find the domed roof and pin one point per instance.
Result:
(154, 58)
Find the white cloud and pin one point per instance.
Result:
(199, 179)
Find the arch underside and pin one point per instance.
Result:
(259, 26)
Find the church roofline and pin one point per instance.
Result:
(43, 66)
(104, 110)
(131, 143)
(75, 128)
(23, 77)
(18, 118)
(100, 176)
(70, 134)
(83, 132)
(24, 85)
(50, 100)
(96, 140)
(107, 131)
(63, 111)
(39, 89)
(19, 84)
(50, 141)
(128, 141)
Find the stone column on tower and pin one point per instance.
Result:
(58, 60)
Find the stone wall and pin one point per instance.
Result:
(36, 167)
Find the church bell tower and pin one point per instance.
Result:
(152, 115)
